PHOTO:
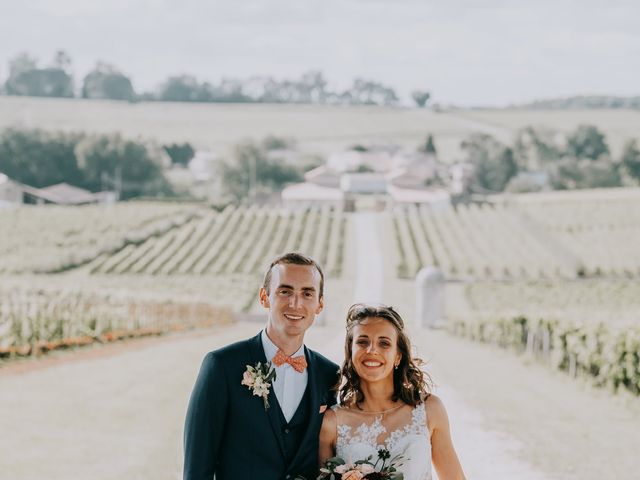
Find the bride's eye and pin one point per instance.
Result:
(362, 343)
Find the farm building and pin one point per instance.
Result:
(64, 194)
(312, 193)
(10, 192)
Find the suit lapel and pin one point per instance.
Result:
(257, 354)
(314, 401)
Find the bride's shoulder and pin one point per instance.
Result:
(329, 424)
(436, 412)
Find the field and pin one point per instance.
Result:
(319, 129)
(547, 236)
(52, 238)
(145, 267)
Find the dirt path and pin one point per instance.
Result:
(369, 265)
(120, 416)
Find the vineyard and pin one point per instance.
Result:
(51, 238)
(237, 241)
(562, 238)
(37, 320)
(139, 268)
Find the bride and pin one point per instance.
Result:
(385, 402)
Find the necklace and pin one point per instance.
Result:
(384, 412)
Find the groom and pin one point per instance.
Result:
(230, 432)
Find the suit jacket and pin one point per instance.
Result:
(229, 434)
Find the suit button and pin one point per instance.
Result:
(286, 430)
(288, 477)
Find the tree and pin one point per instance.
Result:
(368, 92)
(25, 78)
(107, 82)
(494, 163)
(630, 159)
(429, 146)
(252, 173)
(185, 88)
(587, 142)
(271, 142)
(62, 61)
(574, 173)
(421, 97)
(534, 148)
(38, 158)
(180, 154)
(110, 162)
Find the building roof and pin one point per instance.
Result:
(62, 194)
(310, 191)
(324, 176)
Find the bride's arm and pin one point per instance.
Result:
(443, 455)
(328, 436)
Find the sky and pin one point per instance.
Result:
(467, 53)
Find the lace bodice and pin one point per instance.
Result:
(402, 432)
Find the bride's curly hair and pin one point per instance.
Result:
(410, 383)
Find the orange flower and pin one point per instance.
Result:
(352, 475)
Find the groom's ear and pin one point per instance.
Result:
(264, 298)
(320, 305)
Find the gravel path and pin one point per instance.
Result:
(369, 266)
(120, 415)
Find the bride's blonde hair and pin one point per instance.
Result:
(410, 383)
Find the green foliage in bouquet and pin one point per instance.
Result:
(384, 468)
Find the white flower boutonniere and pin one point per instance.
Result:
(258, 379)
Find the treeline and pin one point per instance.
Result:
(584, 102)
(135, 168)
(106, 81)
(96, 162)
(541, 159)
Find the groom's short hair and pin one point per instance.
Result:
(293, 258)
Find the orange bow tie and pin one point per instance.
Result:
(298, 363)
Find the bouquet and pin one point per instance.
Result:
(337, 469)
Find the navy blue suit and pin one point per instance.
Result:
(229, 434)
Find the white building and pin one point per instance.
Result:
(10, 192)
(310, 192)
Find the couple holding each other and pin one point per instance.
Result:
(233, 433)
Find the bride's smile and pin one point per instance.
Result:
(375, 351)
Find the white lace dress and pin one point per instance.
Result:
(403, 432)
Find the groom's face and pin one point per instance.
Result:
(293, 299)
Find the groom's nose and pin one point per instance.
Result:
(294, 300)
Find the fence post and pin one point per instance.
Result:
(430, 284)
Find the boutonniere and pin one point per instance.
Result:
(258, 379)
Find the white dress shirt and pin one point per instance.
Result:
(289, 385)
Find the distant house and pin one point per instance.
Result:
(64, 194)
(366, 183)
(352, 160)
(10, 192)
(324, 176)
(311, 192)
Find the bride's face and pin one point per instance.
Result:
(375, 349)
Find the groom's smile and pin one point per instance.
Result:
(293, 300)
